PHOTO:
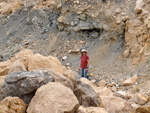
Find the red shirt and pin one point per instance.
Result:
(84, 61)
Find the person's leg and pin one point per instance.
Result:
(82, 72)
(86, 74)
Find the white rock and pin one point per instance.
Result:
(139, 6)
(64, 58)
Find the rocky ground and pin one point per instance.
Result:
(32, 83)
(115, 33)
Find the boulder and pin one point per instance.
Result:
(101, 83)
(139, 6)
(103, 91)
(23, 56)
(82, 109)
(96, 110)
(143, 109)
(38, 61)
(2, 78)
(139, 99)
(4, 67)
(115, 104)
(24, 84)
(17, 63)
(86, 94)
(53, 98)
(123, 95)
(5, 8)
(12, 105)
(17, 66)
(91, 110)
(72, 75)
(130, 81)
(59, 78)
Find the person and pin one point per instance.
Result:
(84, 64)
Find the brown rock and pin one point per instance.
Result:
(115, 104)
(130, 81)
(26, 43)
(5, 8)
(101, 83)
(12, 105)
(82, 109)
(139, 99)
(123, 95)
(60, 78)
(61, 19)
(72, 75)
(139, 6)
(17, 66)
(4, 67)
(91, 110)
(53, 98)
(2, 80)
(38, 61)
(23, 56)
(143, 109)
(103, 91)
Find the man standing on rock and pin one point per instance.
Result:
(84, 63)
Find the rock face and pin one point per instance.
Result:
(24, 84)
(12, 105)
(115, 104)
(86, 94)
(53, 98)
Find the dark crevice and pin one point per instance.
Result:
(90, 32)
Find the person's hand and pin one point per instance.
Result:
(86, 69)
(79, 69)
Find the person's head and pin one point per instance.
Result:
(83, 51)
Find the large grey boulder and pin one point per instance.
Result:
(86, 94)
(24, 84)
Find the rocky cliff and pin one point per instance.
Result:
(116, 33)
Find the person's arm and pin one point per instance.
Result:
(80, 66)
(87, 65)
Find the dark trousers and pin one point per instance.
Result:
(84, 73)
